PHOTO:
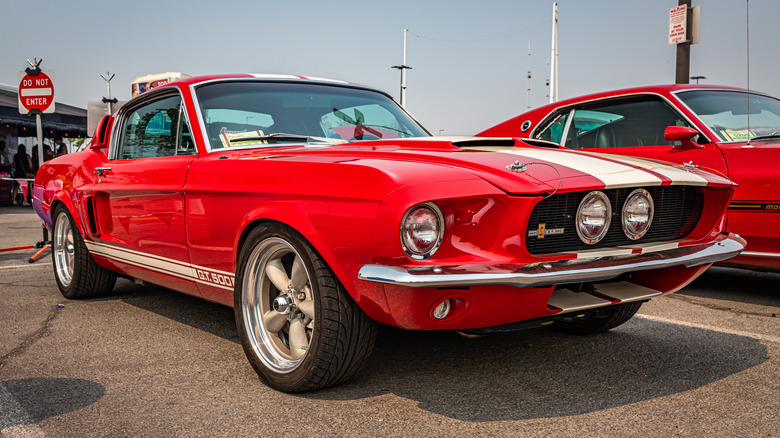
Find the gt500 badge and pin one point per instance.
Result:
(542, 231)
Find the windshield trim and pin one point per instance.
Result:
(714, 135)
(273, 80)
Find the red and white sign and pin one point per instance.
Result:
(36, 92)
(678, 25)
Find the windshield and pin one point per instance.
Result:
(263, 114)
(726, 113)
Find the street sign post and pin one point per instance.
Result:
(36, 96)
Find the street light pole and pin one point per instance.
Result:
(403, 67)
(107, 77)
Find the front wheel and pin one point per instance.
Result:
(299, 328)
(77, 274)
(596, 321)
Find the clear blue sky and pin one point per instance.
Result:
(469, 58)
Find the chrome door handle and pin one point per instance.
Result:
(100, 172)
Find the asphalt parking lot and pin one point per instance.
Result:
(147, 361)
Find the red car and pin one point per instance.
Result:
(729, 131)
(317, 208)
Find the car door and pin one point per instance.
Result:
(632, 126)
(138, 195)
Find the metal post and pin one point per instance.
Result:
(403, 74)
(554, 56)
(683, 70)
(403, 67)
(108, 78)
(40, 139)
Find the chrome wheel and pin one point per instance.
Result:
(63, 248)
(278, 305)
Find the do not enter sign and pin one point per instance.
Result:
(36, 92)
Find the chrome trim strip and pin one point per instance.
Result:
(555, 272)
(760, 254)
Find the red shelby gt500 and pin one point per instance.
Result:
(725, 130)
(317, 208)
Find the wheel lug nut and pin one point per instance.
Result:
(301, 296)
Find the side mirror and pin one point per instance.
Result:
(684, 135)
(102, 133)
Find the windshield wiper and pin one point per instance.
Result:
(282, 136)
(773, 136)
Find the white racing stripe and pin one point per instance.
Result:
(164, 265)
(758, 336)
(613, 175)
(678, 176)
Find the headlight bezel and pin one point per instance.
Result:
(585, 237)
(409, 248)
(651, 212)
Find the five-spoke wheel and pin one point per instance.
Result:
(299, 328)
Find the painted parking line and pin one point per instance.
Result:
(15, 422)
(758, 336)
(29, 265)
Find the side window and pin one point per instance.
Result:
(637, 121)
(157, 129)
(554, 129)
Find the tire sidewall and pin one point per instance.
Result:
(69, 291)
(297, 379)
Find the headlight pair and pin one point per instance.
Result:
(595, 214)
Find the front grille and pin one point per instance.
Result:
(677, 210)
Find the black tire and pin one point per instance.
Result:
(596, 321)
(77, 274)
(338, 335)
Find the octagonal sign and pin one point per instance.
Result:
(36, 92)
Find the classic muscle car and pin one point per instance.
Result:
(729, 131)
(318, 208)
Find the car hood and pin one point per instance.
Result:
(508, 163)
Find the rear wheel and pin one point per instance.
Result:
(597, 321)
(77, 274)
(299, 328)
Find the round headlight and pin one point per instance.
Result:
(593, 217)
(422, 229)
(637, 214)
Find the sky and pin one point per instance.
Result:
(469, 59)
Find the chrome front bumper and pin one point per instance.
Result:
(595, 268)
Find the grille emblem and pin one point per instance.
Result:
(542, 231)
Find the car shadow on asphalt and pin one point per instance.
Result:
(28, 401)
(512, 376)
(737, 285)
(541, 374)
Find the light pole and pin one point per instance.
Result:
(696, 78)
(403, 67)
(107, 77)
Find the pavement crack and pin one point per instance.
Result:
(30, 339)
(714, 306)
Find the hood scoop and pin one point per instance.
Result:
(485, 143)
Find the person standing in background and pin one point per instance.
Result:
(22, 168)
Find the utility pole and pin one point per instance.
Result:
(554, 56)
(683, 71)
(529, 74)
(403, 67)
(108, 100)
